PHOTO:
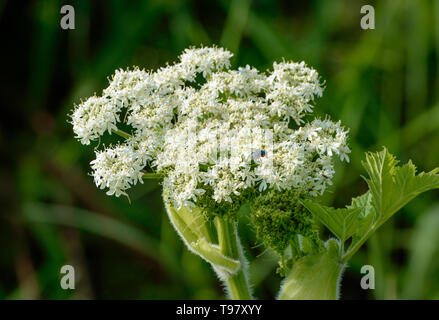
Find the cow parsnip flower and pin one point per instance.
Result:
(221, 138)
(212, 131)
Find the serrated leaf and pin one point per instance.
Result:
(393, 186)
(366, 216)
(341, 222)
(390, 187)
(380, 167)
(363, 202)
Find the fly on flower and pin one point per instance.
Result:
(257, 154)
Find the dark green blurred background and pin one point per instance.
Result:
(383, 84)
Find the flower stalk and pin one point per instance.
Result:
(237, 284)
(121, 133)
(226, 257)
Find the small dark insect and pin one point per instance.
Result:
(258, 154)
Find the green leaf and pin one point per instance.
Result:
(364, 203)
(392, 186)
(366, 216)
(341, 222)
(380, 167)
(366, 219)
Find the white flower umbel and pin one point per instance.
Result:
(117, 169)
(198, 123)
(93, 117)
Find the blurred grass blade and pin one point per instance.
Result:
(424, 247)
(235, 24)
(92, 222)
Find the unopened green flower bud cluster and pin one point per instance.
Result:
(213, 130)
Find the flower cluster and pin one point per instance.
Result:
(208, 128)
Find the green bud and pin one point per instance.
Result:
(279, 218)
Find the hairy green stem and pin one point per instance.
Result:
(237, 283)
(352, 250)
(227, 257)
